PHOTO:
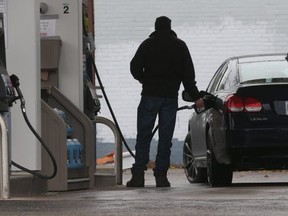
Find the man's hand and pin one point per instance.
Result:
(199, 103)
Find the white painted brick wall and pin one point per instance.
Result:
(213, 30)
(2, 6)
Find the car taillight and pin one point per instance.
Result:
(234, 104)
(242, 104)
(252, 105)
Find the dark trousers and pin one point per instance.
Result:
(148, 109)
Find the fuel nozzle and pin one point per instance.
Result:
(15, 82)
(210, 100)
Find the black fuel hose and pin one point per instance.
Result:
(15, 82)
(179, 108)
(111, 110)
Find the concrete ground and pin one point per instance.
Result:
(252, 193)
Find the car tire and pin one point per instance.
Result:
(219, 175)
(193, 173)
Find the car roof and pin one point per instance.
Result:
(259, 58)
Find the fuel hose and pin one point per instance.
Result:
(15, 83)
(111, 110)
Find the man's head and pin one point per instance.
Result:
(162, 23)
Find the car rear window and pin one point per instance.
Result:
(263, 72)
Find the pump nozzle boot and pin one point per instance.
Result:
(137, 179)
(161, 179)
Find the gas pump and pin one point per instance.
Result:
(7, 93)
(8, 85)
(7, 97)
(6, 89)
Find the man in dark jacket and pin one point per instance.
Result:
(160, 64)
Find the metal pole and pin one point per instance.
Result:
(4, 160)
(118, 146)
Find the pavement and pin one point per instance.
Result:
(262, 193)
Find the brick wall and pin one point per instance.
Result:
(2, 6)
(213, 30)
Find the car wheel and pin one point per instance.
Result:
(219, 175)
(193, 173)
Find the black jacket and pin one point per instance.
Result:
(161, 63)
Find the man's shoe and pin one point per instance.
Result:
(137, 179)
(162, 181)
(161, 178)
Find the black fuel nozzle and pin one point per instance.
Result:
(16, 83)
(210, 100)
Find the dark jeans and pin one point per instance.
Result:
(148, 109)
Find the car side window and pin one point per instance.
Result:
(216, 78)
(229, 79)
